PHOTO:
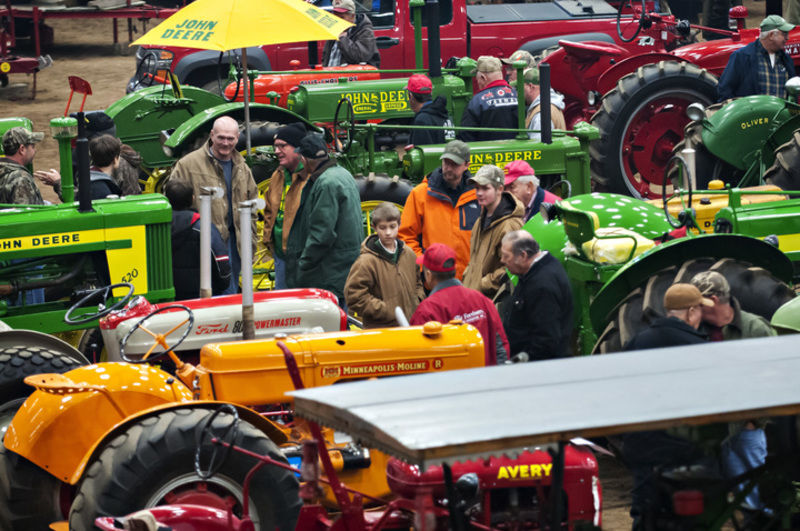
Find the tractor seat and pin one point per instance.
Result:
(591, 50)
(602, 245)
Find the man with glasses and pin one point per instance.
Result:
(283, 196)
(761, 67)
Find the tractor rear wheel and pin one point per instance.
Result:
(756, 289)
(641, 121)
(785, 171)
(152, 463)
(17, 362)
(29, 496)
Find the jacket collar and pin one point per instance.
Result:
(444, 285)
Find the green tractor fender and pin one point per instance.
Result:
(639, 270)
(787, 317)
(736, 129)
(184, 137)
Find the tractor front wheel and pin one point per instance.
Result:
(376, 190)
(641, 121)
(756, 289)
(30, 498)
(152, 463)
(785, 171)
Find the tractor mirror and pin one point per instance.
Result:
(695, 111)
(793, 87)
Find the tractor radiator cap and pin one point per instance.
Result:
(432, 329)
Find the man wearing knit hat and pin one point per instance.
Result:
(327, 231)
(495, 104)
(683, 304)
(449, 300)
(356, 44)
(761, 67)
(283, 196)
(428, 111)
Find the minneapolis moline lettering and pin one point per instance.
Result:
(412, 365)
(367, 369)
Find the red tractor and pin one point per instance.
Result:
(637, 93)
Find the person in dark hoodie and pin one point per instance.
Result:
(428, 111)
(501, 213)
(186, 246)
(356, 44)
(385, 275)
(104, 151)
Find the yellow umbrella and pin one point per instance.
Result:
(226, 25)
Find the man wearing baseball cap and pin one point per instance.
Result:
(428, 111)
(521, 181)
(17, 185)
(443, 208)
(761, 67)
(356, 44)
(519, 55)
(533, 116)
(501, 213)
(449, 300)
(683, 305)
(495, 104)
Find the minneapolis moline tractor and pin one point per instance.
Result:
(112, 438)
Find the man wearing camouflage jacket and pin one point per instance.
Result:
(17, 185)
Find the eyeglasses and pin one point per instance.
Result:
(281, 146)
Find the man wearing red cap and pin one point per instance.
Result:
(449, 300)
(522, 182)
(427, 111)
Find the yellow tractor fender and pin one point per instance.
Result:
(71, 416)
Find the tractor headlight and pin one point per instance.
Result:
(592, 98)
(695, 111)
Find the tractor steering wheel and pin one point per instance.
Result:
(623, 29)
(160, 339)
(146, 70)
(223, 443)
(686, 217)
(349, 132)
(102, 310)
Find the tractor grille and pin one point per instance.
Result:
(159, 256)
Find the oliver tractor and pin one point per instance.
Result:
(637, 94)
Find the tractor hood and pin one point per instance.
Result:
(713, 55)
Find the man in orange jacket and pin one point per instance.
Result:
(443, 208)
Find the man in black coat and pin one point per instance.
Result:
(683, 304)
(428, 111)
(356, 44)
(538, 318)
(645, 451)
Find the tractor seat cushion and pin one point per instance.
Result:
(610, 250)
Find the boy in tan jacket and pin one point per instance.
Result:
(385, 274)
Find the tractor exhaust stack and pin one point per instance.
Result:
(82, 154)
(434, 46)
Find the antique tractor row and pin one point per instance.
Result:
(132, 432)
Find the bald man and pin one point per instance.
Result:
(217, 163)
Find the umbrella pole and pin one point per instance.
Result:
(246, 82)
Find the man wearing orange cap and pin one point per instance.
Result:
(522, 182)
(428, 111)
(449, 300)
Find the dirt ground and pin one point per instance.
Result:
(84, 48)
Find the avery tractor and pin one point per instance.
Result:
(123, 409)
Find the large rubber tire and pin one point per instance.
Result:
(785, 171)
(153, 461)
(375, 191)
(29, 496)
(641, 121)
(756, 289)
(707, 166)
(20, 361)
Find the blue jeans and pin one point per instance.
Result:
(280, 273)
(742, 452)
(236, 263)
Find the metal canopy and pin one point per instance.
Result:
(454, 416)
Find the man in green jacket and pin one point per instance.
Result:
(325, 238)
(746, 446)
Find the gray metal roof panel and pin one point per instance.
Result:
(457, 415)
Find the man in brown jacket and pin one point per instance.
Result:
(501, 213)
(283, 196)
(217, 163)
(385, 274)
